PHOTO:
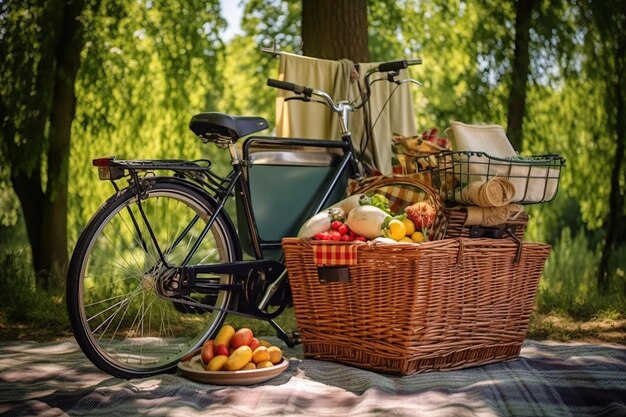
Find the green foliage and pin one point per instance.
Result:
(568, 285)
(147, 68)
(20, 301)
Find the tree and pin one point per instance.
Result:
(335, 29)
(121, 48)
(520, 70)
(607, 35)
(37, 104)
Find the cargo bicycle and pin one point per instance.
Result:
(161, 263)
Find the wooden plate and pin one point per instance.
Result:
(193, 369)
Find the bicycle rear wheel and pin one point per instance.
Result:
(121, 318)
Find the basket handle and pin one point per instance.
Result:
(434, 196)
(518, 252)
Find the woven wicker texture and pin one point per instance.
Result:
(457, 216)
(440, 305)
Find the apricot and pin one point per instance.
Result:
(260, 354)
(275, 354)
(249, 366)
(265, 364)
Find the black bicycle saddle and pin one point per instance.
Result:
(210, 126)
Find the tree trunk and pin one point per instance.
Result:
(52, 243)
(335, 29)
(521, 61)
(616, 196)
(45, 211)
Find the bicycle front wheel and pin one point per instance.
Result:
(122, 318)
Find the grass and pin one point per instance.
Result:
(568, 304)
(565, 329)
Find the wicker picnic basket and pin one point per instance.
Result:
(406, 308)
(456, 218)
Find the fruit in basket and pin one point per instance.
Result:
(376, 200)
(366, 221)
(395, 229)
(348, 203)
(409, 226)
(241, 337)
(239, 358)
(422, 214)
(418, 237)
(339, 231)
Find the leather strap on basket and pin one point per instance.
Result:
(459, 255)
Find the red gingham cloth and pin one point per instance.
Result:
(334, 253)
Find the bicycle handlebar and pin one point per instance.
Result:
(397, 65)
(307, 92)
(285, 85)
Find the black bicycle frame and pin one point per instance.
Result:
(222, 189)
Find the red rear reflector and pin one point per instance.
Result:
(102, 162)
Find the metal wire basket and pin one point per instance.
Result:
(535, 179)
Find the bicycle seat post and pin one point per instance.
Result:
(234, 155)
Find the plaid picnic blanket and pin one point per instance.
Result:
(548, 379)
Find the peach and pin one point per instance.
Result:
(242, 337)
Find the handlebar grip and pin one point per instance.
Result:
(393, 66)
(416, 61)
(285, 85)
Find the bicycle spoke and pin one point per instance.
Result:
(125, 318)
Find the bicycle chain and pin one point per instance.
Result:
(205, 306)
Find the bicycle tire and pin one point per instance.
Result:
(118, 319)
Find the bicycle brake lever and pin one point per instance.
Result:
(305, 99)
(391, 77)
